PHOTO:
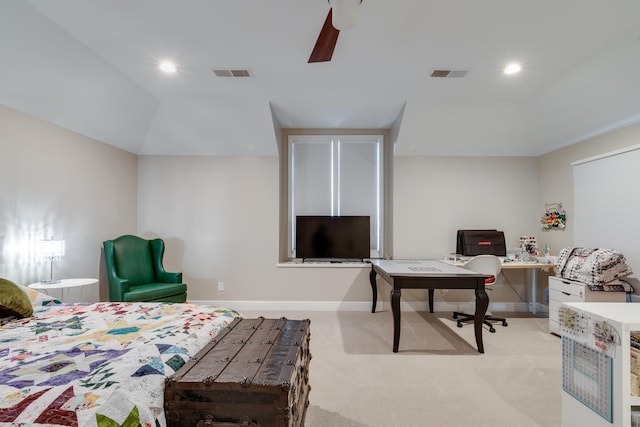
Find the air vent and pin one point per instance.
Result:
(449, 73)
(232, 73)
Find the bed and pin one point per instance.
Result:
(100, 364)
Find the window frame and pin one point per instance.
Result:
(385, 225)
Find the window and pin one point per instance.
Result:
(336, 175)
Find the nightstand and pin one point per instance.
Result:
(63, 285)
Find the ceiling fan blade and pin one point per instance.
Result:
(326, 43)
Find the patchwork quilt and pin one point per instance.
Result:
(101, 364)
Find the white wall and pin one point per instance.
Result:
(57, 182)
(555, 175)
(219, 216)
(436, 196)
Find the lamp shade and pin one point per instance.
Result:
(51, 249)
(344, 13)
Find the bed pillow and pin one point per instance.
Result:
(13, 300)
(39, 299)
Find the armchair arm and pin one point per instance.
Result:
(117, 287)
(169, 277)
(163, 276)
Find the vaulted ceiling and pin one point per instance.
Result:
(92, 66)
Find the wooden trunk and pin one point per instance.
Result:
(255, 373)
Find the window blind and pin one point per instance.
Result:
(607, 203)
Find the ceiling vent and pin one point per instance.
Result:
(449, 73)
(232, 73)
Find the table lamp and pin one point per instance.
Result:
(51, 250)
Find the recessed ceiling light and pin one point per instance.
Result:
(167, 67)
(512, 68)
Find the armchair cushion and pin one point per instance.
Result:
(135, 271)
(155, 292)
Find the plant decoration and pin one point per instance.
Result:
(554, 218)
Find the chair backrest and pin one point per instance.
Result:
(133, 259)
(485, 264)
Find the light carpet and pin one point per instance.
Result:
(437, 378)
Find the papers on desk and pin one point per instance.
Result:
(421, 268)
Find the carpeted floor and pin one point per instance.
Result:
(436, 379)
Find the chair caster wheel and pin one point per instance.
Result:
(504, 323)
(455, 316)
(459, 325)
(492, 329)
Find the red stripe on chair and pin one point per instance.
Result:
(489, 280)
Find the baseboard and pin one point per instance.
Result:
(241, 305)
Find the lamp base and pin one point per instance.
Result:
(50, 281)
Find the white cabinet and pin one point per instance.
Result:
(586, 327)
(563, 290)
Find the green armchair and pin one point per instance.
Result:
(135, 271)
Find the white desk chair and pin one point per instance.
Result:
(485, 264)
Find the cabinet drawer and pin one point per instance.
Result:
(566, 287)
(566, 296)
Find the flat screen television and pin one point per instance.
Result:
(333, 237)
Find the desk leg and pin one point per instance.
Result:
(431, 292)
(395, 309)
(374, 289)
(534, 289)
(482, 303)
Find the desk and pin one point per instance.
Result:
(532, 279)
(64, 284)
(427, 274)
(533, 268)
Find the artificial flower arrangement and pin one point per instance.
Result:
(555, 217)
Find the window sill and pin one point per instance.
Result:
(323, 265)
